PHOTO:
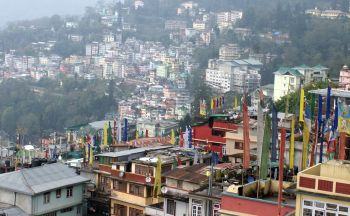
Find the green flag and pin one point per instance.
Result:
(265, 148)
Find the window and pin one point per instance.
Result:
(318, 208)
(119, 210)
(197, 208)
(239, 145)
(136, 190)
(119, 186)
(78, 210)
(50, 214)
(143, 170)
(58, 193)
(69, 209)
(170, 207)
(69, 192)
(179, 184)
(46, 197)
(135, 212)
(216, 209)
(223, 149)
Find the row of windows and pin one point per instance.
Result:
(69, 193)
(134, 189)
(318, 208)
(69, 209)
(121, 210)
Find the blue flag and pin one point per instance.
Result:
(125, 130)
(328, 110)
(319, 114)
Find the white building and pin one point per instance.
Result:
(236, 75)
(285, 77)
(296, 76)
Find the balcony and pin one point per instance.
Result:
(130, 198)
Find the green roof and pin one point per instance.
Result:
(287, 70)
(319, 67)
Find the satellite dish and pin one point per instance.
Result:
(148, 179)
(121, 174)
(164, 190)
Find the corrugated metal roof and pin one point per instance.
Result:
(40, 179)
(132, 151)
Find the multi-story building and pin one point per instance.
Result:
(92, 49)
(238, 75)
(175, 24)
(295, 77)
(229, 52)
(344, 77)
(52, 189)
(324, 189)
(286, 78)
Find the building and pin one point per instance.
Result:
(175, 24)
(213, 137)
(179, 182)
(52, 189)
(324, 189)
(228, 52)
(155, 128)
(344, 77)
(238, 75)
(242, 200)
(285, 77)
(295, 77)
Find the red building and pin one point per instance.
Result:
(212, 135)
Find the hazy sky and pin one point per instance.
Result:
(11, 10)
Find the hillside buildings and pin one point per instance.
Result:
(236, 75)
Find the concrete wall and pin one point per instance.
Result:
(22, 201)
(58, 203)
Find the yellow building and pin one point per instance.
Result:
(324, 189)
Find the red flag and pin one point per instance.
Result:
(281, 166)
(246, 144)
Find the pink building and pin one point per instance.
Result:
(344, 77)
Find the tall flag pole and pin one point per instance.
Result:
(314, 144)
(114, 131)
(172, 137)
(235, 103)
(105, 127)
(274, 133)
(109, 135)
(260, 125)
(265, 148)
(246, 144)
(328, 110)
(125, 130)
(91, 157)
(306, 137)
(281, 169)
(301, 105)
(189, 137)
(137, 135)
(291, 145)
(158, 178)
(119, 131)
(342, 140)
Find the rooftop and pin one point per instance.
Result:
(334, 92)
(188, 174)
(40, 179)
(132, 151)
(288, 71)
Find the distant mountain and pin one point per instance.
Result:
(30, 9)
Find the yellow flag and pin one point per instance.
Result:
(137, 135)
(82, 142)
(172, 137)
(211, 105)
(91, 155)
(235, 103)
(291, 145)
(301, 105)
(157, 178)
(105, 143)
(306, 136)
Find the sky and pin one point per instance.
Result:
(12, 10)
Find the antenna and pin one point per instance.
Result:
(121, 174)
(148, 179)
